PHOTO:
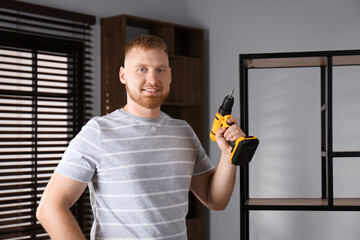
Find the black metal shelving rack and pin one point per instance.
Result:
(325, 60)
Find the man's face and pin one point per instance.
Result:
(147, 76)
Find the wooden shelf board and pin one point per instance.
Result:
(287, 202)
(305, 203)
(347, 202)
(301, 62)
(286, 62)
(305, 59)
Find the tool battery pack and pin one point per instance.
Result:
(244, 150)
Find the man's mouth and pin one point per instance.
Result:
(151, 89)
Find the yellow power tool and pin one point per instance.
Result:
(243, 149)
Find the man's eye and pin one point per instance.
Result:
(160, 70)
(142, 70)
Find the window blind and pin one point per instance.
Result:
(45, 98)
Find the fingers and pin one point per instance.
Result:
(233, 132)
(233, 120)
(220, 140)
(220, 132)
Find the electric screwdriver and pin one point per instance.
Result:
(243, 148)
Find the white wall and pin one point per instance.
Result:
(287, 161)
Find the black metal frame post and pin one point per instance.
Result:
(244, 169)
(324, 185)
(329, 115)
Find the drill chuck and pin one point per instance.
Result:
(227, 104)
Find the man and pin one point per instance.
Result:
(138, 162)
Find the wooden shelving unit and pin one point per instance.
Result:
(325, 60)
(186, 99)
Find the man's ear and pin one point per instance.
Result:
(122, 75)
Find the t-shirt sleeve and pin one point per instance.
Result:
(202, 164)
(83, 154)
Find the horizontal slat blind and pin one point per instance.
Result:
(45, 92)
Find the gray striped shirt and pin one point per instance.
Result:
(138, 172)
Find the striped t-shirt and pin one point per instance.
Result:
(138, 172)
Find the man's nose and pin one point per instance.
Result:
(152, 76)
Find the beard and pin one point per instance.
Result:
(150, 102)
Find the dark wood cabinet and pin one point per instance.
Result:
(186, 99)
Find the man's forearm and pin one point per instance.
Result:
(60, 224)
(222, 183)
